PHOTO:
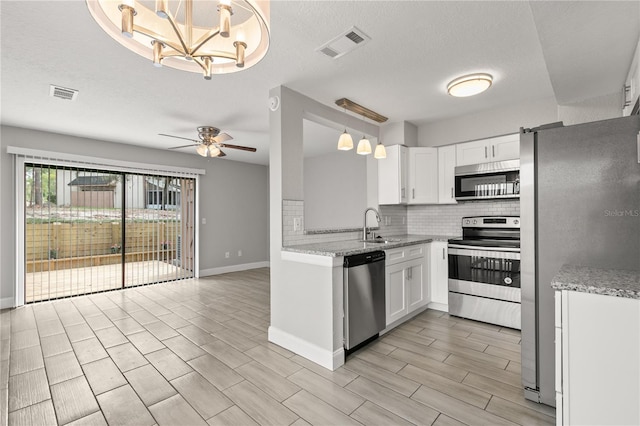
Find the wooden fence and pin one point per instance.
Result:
(51, 246)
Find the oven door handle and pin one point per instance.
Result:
(498, 253)
(501, 249)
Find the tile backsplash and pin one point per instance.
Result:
(445, 219)
(394, 222)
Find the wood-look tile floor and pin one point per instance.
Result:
(195, 352)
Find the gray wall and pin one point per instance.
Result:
(234, 198)
(489, 123)
(335, 190)
(594, 109)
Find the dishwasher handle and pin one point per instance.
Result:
(363, 259)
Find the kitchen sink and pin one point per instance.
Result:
(380, 240)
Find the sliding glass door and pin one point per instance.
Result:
(159, 230)
(94, 230)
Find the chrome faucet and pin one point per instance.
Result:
(365, 230)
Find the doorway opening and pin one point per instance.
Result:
(89, 230)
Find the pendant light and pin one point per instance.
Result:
(345, 143)
(364, 146)
(380, 152)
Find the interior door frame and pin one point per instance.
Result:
(20, 223)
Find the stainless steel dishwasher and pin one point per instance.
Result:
(364, 298)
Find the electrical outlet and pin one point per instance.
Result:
(239, 253)
(297, 224)
(227, 254)
(204, 220)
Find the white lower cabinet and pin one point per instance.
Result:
(597, 359)
(396, 292)
(405, 281)
(438, 267)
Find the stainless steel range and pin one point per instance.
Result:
(484, 270)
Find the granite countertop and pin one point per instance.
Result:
(608, 282)
(349, 247)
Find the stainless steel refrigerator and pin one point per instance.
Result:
(579, 202)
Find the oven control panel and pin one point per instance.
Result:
(491, 222)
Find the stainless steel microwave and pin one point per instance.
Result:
(500, 179)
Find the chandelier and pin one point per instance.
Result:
(203, 36)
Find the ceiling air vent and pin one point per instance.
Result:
(344, 43)
(63, 93)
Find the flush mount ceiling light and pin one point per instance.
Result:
(203, 36)
(469, 85)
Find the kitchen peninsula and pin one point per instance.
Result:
(315, 291)
(597, 346)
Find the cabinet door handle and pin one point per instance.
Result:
(485, 152)
(493, 150)
(402, 193)
(443, 254)
(451, 192)
(413, 193)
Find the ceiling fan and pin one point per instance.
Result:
(210, 143)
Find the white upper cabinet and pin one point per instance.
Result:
(488, 150)
(446, 174)
(423, 175)
(392, 176)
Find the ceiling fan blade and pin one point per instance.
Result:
(222, 137)
(179, 137)
(243, 148)
(183, 146)
(222, 154)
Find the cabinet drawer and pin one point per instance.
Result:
(403, 254)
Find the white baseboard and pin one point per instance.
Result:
(327, 359)
(439, 306)
(233, 268)
(7, 302)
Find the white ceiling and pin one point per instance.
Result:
(570, 50)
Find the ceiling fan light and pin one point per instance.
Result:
(202, 149)
(469, 85)
(345, 143)
(380, 152)
(364, 146)
(214, 151)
